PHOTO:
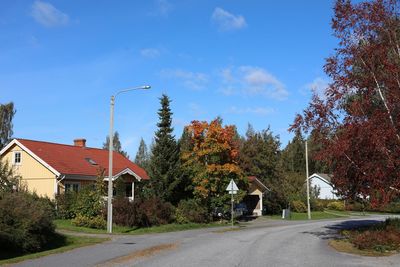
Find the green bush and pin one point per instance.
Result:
(88, 203)
(393, 207)
(26, 222)
(298, 206)
(97, 222)
(318, 206)
(191, 211)
(141, 212)
(65, 205)
(336, 205)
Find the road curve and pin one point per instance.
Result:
(261, 243)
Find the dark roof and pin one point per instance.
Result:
(325, 176)
(254, 179)
(76, 160)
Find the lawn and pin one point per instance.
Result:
(60, 243)
(315, 215)
(67, 225)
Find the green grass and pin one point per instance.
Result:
(67, 225)
(315, 215)
(60, 243)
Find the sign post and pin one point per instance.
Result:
(232, 189)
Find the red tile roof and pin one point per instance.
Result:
(74, 160)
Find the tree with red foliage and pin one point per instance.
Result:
(357, 120)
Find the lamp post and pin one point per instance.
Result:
(110, 154)
(308, 186)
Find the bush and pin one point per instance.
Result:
(65, 205)
(88, 203)
(298, 206)
(393, 207)
(336, 205)
(318, 205)
(384, 236)
(141, 212)
(191, 211)
(97, 222)
(26, 222)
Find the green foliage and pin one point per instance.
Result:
(88, 203)
(65, 205)
(191, 211)
(142, 157)
(7, 112)
(120, 188)
(9, 181)
(164, 167)
(97, 222)
(25, 222)
(298, 206)
(116, 144)
(142, 212)
(259, 154)
(336, 205)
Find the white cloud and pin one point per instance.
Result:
(150, 52)
(47, 15)
(163, 8)
(256, 111)
(250, 80)
(318, 86)
(191, 80)
(227, 21)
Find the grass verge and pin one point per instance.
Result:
(67, 225)
(344, 245)
(315, 215)
(379, 239)
(60, 243)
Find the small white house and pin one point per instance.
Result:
(323, 182)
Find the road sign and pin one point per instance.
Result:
(232, 187)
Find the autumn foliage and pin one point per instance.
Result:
(357, 120)
(213, 161)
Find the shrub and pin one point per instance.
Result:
(336, 205)
(88, 203)
(318, 206)
(393, 207)
(141, 212)
(124, 212)
(191, 211)
(25, 222)
(65, 205)
(298, 206)
(97, 222)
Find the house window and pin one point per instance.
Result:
(72, 187)
(17, 158)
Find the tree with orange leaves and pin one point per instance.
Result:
(212, 162)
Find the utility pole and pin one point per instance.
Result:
(308, 185)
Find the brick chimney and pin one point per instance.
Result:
(81, 142)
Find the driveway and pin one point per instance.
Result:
(262, 242)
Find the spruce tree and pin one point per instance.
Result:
(142, 155)
(7, 113)
(164, 163)
(116, 144)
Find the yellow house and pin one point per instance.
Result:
(254, 198)
(49, 168)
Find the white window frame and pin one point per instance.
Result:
(14, 158)
(72, 186)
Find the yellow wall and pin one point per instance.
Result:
(33, 174)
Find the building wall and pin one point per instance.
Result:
(36, 177)
(254, 190)
(326, 190)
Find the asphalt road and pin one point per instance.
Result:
(261, 243)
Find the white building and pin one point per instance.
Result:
(323, 182)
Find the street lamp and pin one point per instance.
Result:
(110, 153)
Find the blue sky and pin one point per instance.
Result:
(246, 61)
